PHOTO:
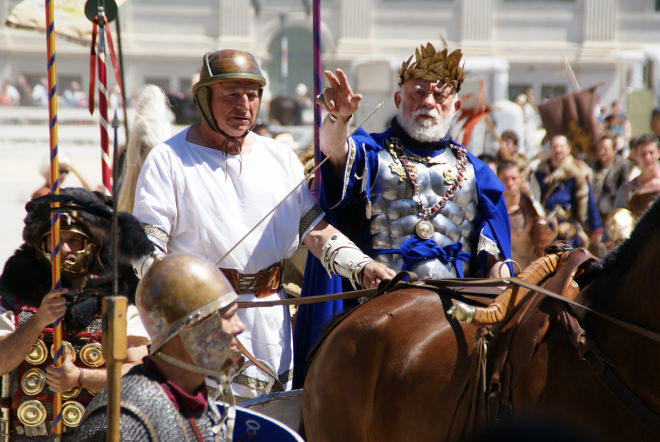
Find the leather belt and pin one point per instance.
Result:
(263, 283)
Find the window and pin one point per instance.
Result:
(549, 91)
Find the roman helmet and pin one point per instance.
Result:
(182, 295)
(224, 65)
(94, 231)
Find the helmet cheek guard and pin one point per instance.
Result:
(224, 65)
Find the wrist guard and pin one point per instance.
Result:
(341, 256)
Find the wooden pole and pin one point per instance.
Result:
(114, 351)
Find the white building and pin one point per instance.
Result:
(511, 44)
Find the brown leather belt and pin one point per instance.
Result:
(263, 283)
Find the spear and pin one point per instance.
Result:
(55, 190)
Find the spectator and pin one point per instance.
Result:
(303, 106)
(638, 194)
(608, 175)
(617, 121)
(530, 231)
(25, 90)
(40, 92)
(561, 184)
(490, 160)
(655, 122)
(75, 96)
(9, 95)
(508, 151)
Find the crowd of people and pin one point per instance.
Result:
(209, 218)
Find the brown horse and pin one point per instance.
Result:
(399, 368)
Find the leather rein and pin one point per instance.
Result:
(454, 286)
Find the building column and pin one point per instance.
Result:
(235, 18)
(356, 28)
(599, 21)
(476, 20)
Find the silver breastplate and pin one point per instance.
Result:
(395, 213)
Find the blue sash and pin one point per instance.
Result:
(414, 250)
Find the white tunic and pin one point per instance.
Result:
(206, 202)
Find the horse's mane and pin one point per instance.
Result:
(619, 260)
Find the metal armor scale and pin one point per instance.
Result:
(27, 411)
(396, 215)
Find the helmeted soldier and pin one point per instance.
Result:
(411, 197)
(29, 307)
(189, 308)
(210, 190)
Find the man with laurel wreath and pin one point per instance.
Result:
(411, 197)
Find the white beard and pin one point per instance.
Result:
(430, 130)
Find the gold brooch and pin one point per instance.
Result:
(450, 176)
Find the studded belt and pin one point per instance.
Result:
(263, 283)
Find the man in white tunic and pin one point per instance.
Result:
(210, 191)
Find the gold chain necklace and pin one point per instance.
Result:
(454, 178)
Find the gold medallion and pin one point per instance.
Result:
(67, 349)
(92, 354)
(450, 176)
(424, 229)
(31, 413)
(72, 412)
(33, 381)
(71, 393)
(38, 353)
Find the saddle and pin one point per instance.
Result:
(503, 350)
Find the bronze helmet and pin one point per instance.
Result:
(94, 229)
(178, 291)
(224, 65)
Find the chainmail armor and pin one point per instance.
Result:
(146, 414)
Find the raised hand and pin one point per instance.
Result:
(338, 99)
